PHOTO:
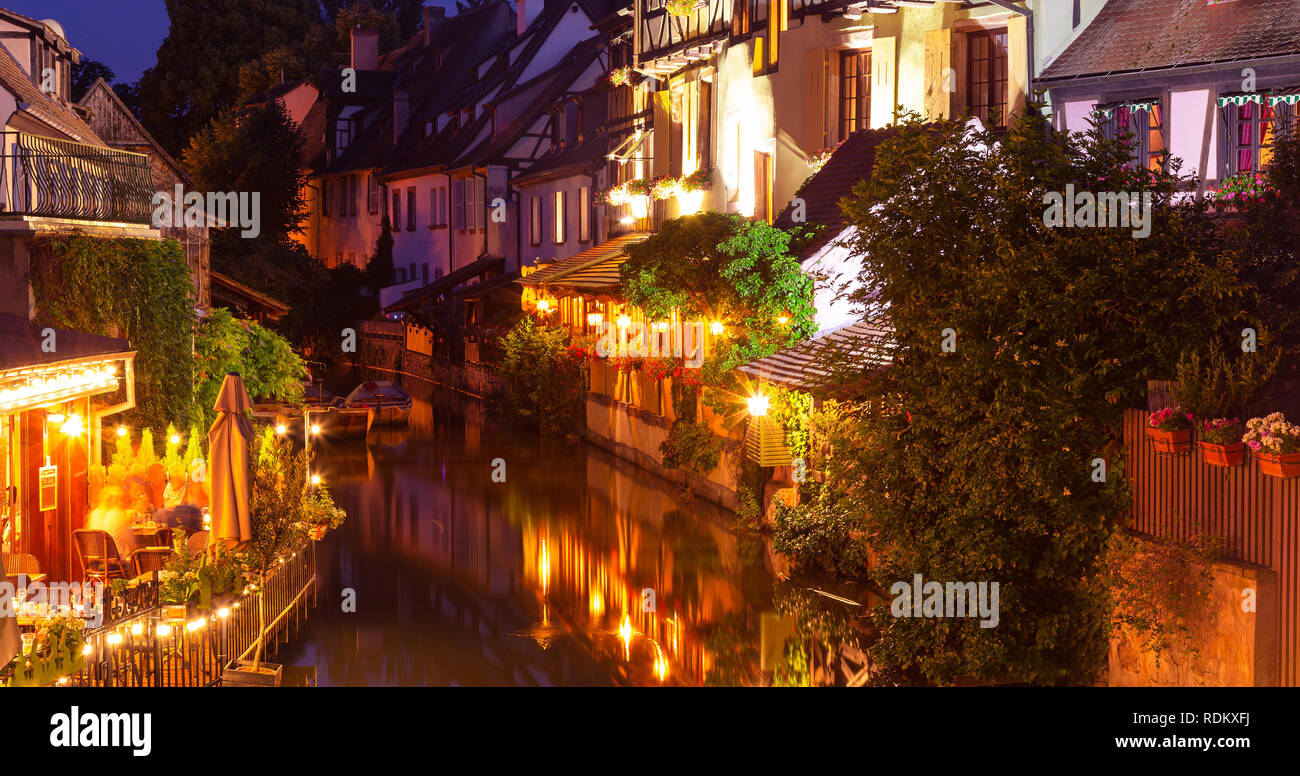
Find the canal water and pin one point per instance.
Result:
(478, 554)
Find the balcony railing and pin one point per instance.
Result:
(665, 35)
(41, 176)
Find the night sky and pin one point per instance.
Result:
(123, 34)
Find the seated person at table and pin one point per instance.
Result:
(196, 492)
(174, 493)
(112, 515)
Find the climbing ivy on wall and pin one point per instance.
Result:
(139, 290)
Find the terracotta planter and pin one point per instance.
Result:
(1284, 466)
(1223, 455)
(243, 673)
(1173, 442)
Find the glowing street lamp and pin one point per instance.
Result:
(175, 439)
(543, 306)
(280, 429)
(758, 404)
(121, 431)
(717, 328)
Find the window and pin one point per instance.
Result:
(763, 186)
(434, 212)
(560, 219)
(395, 218)
(1142, 125)
(342, 135)
(425, 276)
(410, 209)
(372, 194)
(354, 186)
(855, 92)
(986, 76)
(1252, 128)
(535, 220)
(458, 196)
(584, 213)
(479, 183)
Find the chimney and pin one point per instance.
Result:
(365, 49)
(525, 12)
(401, 112)
(434, 18)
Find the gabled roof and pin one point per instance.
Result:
(587, 156)
(101, 87)
(851, 163)
(20, 344)
(40, 106)
(1136, 35)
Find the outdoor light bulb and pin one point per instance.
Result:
(223, 612)
(624, 321)
(73, 426)
(112, 370)
(137, 629)
(757, 405)
(626, 220)
(783, 320)
(176, 439)
(114, 639)
(716, 327)
(543, 305)
(86, 650)
(121, 430)
(280, 429)
(315, 479)
(315, 428)
(594, 319)
(164, 631)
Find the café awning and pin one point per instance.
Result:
(594, 269)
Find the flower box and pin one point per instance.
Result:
(1223, 455)
(1285, 465)
(1172, 442)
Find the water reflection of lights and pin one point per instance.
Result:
(597, 605)
(661, 664)
(544, 567)
(625, 633)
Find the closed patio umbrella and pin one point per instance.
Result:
(229, 477)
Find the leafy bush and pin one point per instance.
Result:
(265, 360)
(547, 377)
(1160, 589)
(818, 533)
(690, 447)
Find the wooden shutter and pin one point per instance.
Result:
(815, 107)
(884, 81)
(458, 198)
(938, 62)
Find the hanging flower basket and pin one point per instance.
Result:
(621, 76)
(1170, 430)
(1276, 443)
(1221, 443)
(681, 7)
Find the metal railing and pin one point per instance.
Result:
(41, 176)
(151, 647)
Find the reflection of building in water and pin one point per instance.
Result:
(610, 531)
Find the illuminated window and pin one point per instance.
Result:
(559, 236)
(584, 213)
(1252, 128)
(372, 194)
(535, 220)
(855, 92)
(986, 77)
(1141, 124)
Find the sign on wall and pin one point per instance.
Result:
(49, 487)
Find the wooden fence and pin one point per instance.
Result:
(1255, 515)
(149, 648)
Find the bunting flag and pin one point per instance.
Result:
(1240, 99)
(1105, 113)
(1134, 107)
(1289, 99)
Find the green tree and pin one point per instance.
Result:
(721, 267)
(197, 74)
(547, 377)
(264, 359)
(977, 463)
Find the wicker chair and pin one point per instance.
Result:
(148, 559)
(22, 564)
(99, 556)
(197, 542)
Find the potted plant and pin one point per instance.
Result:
(275, 505)
(1170, 430)
(681, 8)
(1221, 443)
(320, 514)
(1276, 444)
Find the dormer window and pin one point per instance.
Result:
(343, 131)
